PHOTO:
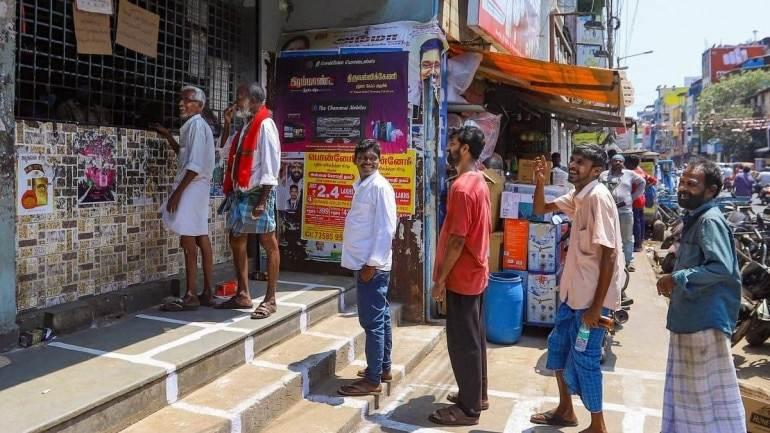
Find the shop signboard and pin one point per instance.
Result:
(586, 56)
(423, 41)
(331, 102)
(512, 26)
(328, 190)
(719, 61)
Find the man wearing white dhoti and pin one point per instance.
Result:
(186, 211)
(701, 392)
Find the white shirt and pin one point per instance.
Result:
(370, 225)
(621, 186)
(196, 150)
(266, 162)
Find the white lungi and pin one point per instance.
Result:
(196, 153)
(192, 216)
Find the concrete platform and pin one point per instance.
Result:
(107, 378)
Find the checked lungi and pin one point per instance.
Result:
(239, 206)
(581, 370)
(701, 392)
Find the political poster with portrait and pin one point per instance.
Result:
(34, 193)
(96, 167)
(424, 41)
(330, 103)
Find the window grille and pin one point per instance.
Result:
(198, 44)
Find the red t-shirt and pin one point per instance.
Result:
(467, 216)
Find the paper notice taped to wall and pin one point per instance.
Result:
(95, 6)
(92, 32)
(138, 29)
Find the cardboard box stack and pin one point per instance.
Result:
(756, 403)
(532, 248)
(495, 183)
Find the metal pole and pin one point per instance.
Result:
(610, 48)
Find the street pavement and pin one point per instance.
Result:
(519, 384)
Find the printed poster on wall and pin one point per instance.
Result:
(423, 41)
(328, 190)
(96, 167)
(330, 103)
(512, 26)
(34, 193)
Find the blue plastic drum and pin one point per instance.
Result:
(504, 308)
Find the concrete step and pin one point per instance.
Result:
(250, 396)
(106, 379)
(325, 411)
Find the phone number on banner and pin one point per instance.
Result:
(322, 235)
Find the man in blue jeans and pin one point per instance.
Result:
(367, 250)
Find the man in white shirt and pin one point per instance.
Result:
(186, 211)
(250, 180)
(367, 250)
(625, 186)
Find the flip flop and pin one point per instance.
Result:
(386, 376)
(452, 416)
(452, 398)
(359, 388)
(206, 301)
(233, 304)
(177, 304)
(263, 311)
(549, 418)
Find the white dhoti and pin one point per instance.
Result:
(192, 216)
(701, 392)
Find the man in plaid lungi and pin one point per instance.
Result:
(701, 392)
(250, 180)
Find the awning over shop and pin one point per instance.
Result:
(573, 112)
(581, 85)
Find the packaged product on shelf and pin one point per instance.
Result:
(515, 237)
(527, 171)
(542, 298)
(544, 247)
(518, 201)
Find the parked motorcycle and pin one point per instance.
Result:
(764, 194)
(754, 317)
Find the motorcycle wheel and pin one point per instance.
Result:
(758, 333)
(741, 328)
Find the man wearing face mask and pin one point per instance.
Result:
(701, 391)
(250, 180)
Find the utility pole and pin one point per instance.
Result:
(610, 48)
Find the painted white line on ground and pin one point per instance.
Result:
(172, 388)
(326, 335)
(633, 422)
(641, 374)
(195, 324)
(234, 419)
(401, 426)
(518, 420)
(612, 407)
(248, 349)
(331, 400)
(270, 365)
(302, 313)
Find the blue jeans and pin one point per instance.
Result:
(627, 234)
(638, 227)
(374, 317)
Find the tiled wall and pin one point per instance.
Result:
(89, 250)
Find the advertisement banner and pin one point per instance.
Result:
(331, 102)
(585, 56)
(34, 194)
(328, 190)
(512, 26)
(423, 41)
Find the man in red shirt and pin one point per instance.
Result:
(460, 275)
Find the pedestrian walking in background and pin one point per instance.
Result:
(632, 163)
(460, 277)
(590, 287)
(250, 180)
(744, 183)
(701, 391)
(625, 186)
(186, 212)
(367, 243)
